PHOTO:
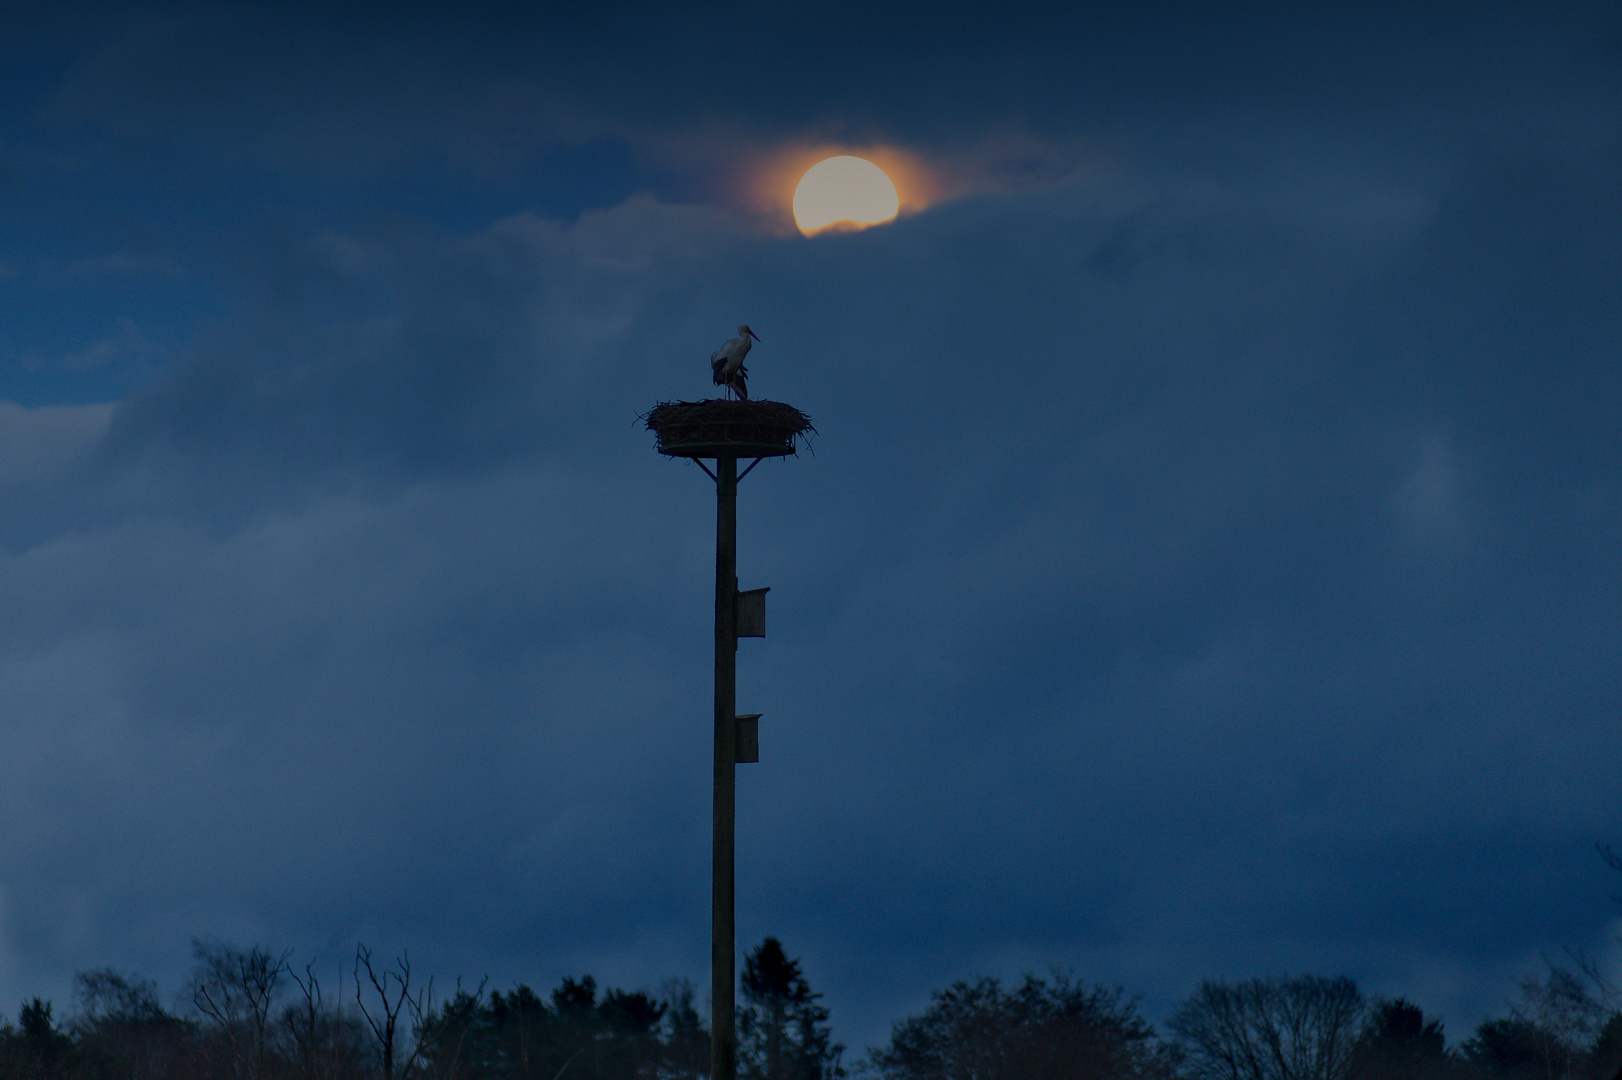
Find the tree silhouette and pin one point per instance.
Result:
(236, 992)
(121, 1015)
(1508, 1048)
(1605, 1057)
(783, 1034)
(631, 1021)
(322, 1042)
(1270, 1029)
(1040, 1030)
(1398, 1043)
(523, 1032)
(687, 1040)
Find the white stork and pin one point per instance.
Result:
(726, 363)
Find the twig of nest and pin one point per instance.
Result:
(718, 426)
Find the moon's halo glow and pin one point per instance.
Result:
(844, 192)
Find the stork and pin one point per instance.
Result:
(726, 363)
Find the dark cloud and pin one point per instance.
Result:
(353, 91)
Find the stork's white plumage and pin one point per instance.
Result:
(726, 363)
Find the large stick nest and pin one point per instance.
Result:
(720, 427)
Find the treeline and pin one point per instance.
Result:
(1302, 1028)
(252, 1015)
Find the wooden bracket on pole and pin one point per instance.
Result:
(749, 738)
(752, 612)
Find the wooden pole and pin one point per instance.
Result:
(723, 1032)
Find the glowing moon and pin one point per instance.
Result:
(844, 191)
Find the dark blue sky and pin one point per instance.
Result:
(1208, 566)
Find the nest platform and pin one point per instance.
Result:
(719, 428)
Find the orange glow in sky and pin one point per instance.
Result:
(778, 187)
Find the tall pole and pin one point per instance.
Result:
(723, 1032)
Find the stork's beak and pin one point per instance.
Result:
(754, 335)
